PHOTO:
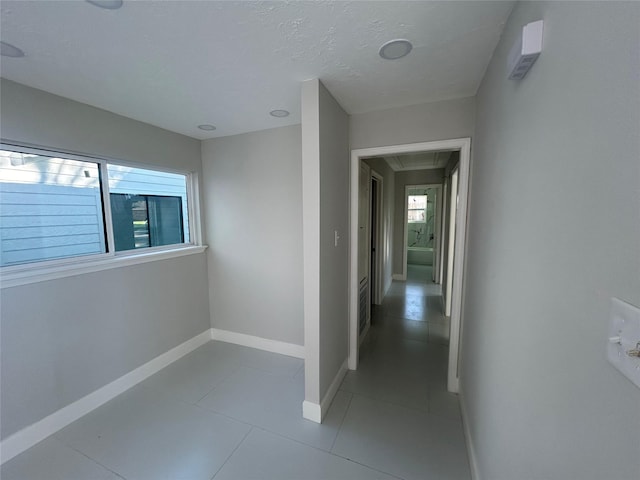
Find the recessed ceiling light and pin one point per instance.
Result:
(395, 49)
(206, 127)
(279, 113)
(108, 4)
(8, 50)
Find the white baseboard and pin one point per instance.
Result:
(313, 411)
(473, 462)
(400, 277)
(29, 436)
(275, 346)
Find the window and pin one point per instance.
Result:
(52, 207)
(417, 209)
(147, 207)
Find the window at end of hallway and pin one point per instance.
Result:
(417, 209)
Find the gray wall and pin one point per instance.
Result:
(403, 178)
(62, 339)
(325, 174)
(334, 215)
(388, 212)
(547, 252)
(253, 207)
(416, 123)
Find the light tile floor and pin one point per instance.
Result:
(230, 412)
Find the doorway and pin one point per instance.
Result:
(462, 145)
(422, 228)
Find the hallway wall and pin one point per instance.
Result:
(416, 123)
(540, 397)
(325, 176)
(253, 207)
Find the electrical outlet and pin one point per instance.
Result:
(624, 339)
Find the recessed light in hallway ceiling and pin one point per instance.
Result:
(206, 127)
(279, 113)
(9, 50)
(394, 49)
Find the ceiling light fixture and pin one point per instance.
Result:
(279, 113)
(394, 49)
(206, 127)
(108, 4)
(8, 50)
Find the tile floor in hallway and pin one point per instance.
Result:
(230, 412)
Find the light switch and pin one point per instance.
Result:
(624, 339)
(336, 237)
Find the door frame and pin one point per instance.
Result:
(436, 249)
(376, 296)
(464, 146)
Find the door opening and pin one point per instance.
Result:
(374, 240)
(463, 146)
(421, 241)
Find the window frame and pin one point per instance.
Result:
(37, 271)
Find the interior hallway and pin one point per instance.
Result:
(231, 412)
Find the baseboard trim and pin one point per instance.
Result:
(275, 346)
(333, 388)
(400, 277)
(29, 436)
(313, 411)
(471, 451)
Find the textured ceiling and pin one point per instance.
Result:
(178, 64)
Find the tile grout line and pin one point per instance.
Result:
(226, 377)
(231, 454)
(367, 466)
(90, 458)
(325, 451)
(344, 415)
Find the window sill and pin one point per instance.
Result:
(34, 274)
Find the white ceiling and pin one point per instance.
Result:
(418, 161)
(178, 64)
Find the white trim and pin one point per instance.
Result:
(438, 236)
(367, 264)
(399, 277)
(453, 379)
(460, 144)
(25, 274)
(29, 436)
(378, 295)
(313, 411)
(275, 346)
(471, 451)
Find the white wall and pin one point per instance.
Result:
(388, 212)
(325, 137)
(547, 252)
(417, 123)
(433, 176)
(253, 208)
(62, 339)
